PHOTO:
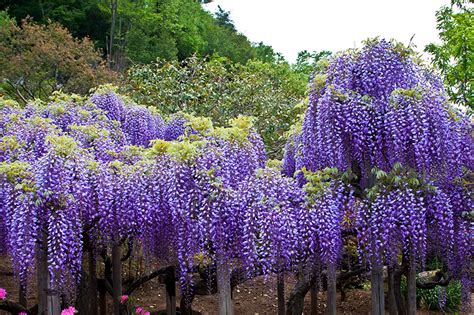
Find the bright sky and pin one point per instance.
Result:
(294, 25)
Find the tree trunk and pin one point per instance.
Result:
(314, 299)
(103, 301)
(281, 293)
(376, 279)
(331, 290)
(392, 303)
(113, 9)
(82, 297)
(170, 285)
(223, 287)
(22, 298)
(306, 280)
(411, 284)
(42, 278)
(185, 309)
(397, 280)
(117, 276)
(93, 306)
(48, 299)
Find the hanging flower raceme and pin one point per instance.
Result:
(394, 216)
(111, 103)
(141, 126)
(270, 207)
(328, 201)
(377, 108)
(19, 216)
(58, 213)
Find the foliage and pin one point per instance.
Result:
(308, 62)
(221, 90)
(38, 59)
(143, 30)
(454, 57)
(447, 299)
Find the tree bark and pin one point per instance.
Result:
(376, 280)
(306, 280)
(314, 299)
(103, 301)
(170, 285)
(22, 298)
(397, 280)
(411, 284)
(392, 303)
(331, 290)
(223, 288)
(117, 276)
(281, 293)
(48, 300)
(93, 283)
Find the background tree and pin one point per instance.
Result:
(220, 89)
(36, 59)
(139, 31)
(307, 62)
(454, 57)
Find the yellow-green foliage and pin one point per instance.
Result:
(203, 125)
(92, 131)
(63, 145)
(183, 150)
(60, 96)
(275, 164)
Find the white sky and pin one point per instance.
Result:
(294, 25)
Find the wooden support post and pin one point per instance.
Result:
(223, 287)
(314, 299)
(170, 285)
(22, 298)
(117, 276)
(281, 293)
(411, 284)
(377, 287)
(49, 302)
(42, 278)
(93, 303)
(103, 301)
(392, 302)
(331, 293)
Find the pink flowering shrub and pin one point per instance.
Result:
(3, 294)
(69, 311)
(123, 299)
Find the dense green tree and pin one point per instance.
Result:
(454, 57)
(223, 19)
(266, 53)
(307, 62)
(139, 31)
(81, 17)
(220, 89)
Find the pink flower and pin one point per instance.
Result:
(138, 310)
(3, 294)
(69, 311)
(123, 299)
(22, 313)
(146, 313)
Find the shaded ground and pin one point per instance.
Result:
(257, 296)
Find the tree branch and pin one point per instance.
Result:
(142, 280)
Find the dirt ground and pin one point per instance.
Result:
(258, 296)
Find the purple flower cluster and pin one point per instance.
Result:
(376, 108)
(100, 170)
